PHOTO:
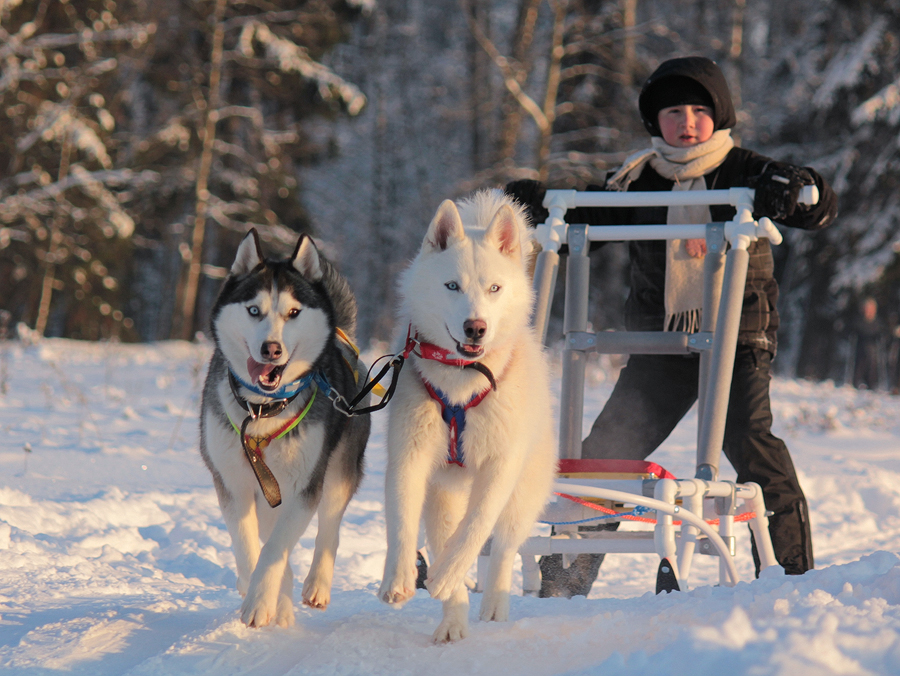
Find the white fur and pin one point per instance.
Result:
(240, 335)
(509, 447)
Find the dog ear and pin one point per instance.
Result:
(249, 254)
(503, 232)
(446, 227)
(306, 259)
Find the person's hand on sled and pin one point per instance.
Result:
(777, 189)
(696, 248)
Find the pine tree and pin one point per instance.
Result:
(143, 140)
(66, 234)
(225, 93)
(827, 96)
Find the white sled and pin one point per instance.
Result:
(672, 499)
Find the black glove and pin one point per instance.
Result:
(777, 189)
(530, 194)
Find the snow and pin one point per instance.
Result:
(114, 558)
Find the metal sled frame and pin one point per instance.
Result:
(725, 275)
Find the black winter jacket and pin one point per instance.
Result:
(645, 307)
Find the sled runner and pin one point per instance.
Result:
(638, 489)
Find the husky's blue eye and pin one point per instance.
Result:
(495, 288)
(293, 312)
(453, 286)
(253, 310)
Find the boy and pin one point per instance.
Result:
(686, 106)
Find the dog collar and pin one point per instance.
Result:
(254, 446)
(287, 391)
(257, 444)
(439, 354)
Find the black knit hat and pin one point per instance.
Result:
(693, 80)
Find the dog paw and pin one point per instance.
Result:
(316, 596)
(494, 608)
(259, 609)
(450, 630)
(284, 614)
(395, 593)
(441, 586)
(445, 577)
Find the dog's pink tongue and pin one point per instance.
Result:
(258, 370)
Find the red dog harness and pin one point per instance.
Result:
(452, 414)
(455, 417)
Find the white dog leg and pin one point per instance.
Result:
(454, 625)
(443, 511)
(495, 600)
(336, 494)
(284, 610)
(405, 481)
(490, 492)
(513, 527)
(239, 511)
(260, 605)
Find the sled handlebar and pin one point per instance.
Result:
(743, 229)
(736, 197)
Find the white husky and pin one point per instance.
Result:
(469, 433)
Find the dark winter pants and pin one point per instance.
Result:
(655, 391)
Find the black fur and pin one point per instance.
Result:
(333, 296)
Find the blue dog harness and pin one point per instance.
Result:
(455, 416)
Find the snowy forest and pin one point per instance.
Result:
(141, 140)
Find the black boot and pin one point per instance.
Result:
(421, 571)
(791, 539)
(577, 579)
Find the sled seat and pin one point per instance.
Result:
(588, 468)
(590, 492)
(610, 470)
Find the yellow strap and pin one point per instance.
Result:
(302, 413)
(346, 340)
(378, 390)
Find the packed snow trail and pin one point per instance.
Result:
(114, 558)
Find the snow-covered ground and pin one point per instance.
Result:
(114, 558)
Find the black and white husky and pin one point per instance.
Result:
(277, 448)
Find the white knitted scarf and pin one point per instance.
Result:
(687, 167)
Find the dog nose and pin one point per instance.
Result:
(271, 350)
(475, 328)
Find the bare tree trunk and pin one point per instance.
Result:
(735, 52)
(560, 7)
(629, 52)
(478, 13)
(209, 136)
(514, 75)
(43, 314)
(511, 125)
